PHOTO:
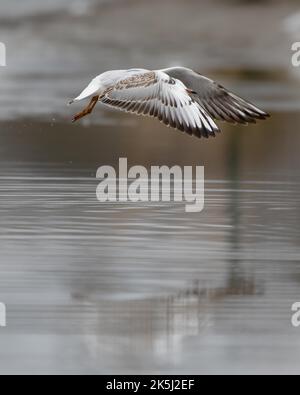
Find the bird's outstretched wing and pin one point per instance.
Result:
(156, 94)
(215, 99)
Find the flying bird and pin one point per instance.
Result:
(177, 96)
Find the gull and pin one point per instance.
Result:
(179, 97)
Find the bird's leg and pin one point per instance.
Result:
(87, 110)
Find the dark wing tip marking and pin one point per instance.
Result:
(225, 106)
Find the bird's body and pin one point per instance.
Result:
(178, 97)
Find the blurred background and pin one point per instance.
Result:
(146, 288)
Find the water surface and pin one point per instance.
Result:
(139, 288)
(147, 288)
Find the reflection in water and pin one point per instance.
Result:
(90, 285)
(234, 278)
(146, 288)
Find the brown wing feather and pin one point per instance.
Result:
(144, 94)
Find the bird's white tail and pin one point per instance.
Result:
(91, 90)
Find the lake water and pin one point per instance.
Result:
(111, 288)
(145, 288)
